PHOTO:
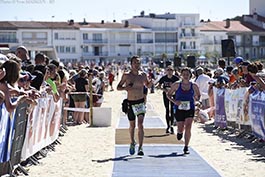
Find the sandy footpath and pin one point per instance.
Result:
(85, 151)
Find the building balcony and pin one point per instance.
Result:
(121, 41)
(92, 54)
(34, 41)
(210, 42)
(3, 40)
(166, 41)
(95, 41)
(183, 24)
(190, 49)
(188, 36)
(163, 29)
(142, 41)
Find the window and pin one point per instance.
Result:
(61, 49)
(254, 52)
(57, 49)
(8, 37)
(261, 52)
(183, 32)
(97, 37)
(67, 49)
(85, 36)
(56, 36)
(27, 35)
(73, 50)
(192, 32)
(85, 49)
(183, 45)
(138, 37)
(41, 35)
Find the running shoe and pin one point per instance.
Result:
(179, 136)
(186, 150)
(132, 148)
(140, 151)
(167, 131)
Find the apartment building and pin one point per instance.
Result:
(108, 41)
(152, 35)
(249, 39)
(169, 33)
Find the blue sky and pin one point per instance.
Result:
(97, 10)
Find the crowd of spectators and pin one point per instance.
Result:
(26, 79)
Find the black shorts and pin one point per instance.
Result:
(181, 115)
(130, 113)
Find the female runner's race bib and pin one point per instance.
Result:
(138, 109)
(184, 105)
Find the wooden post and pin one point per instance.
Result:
(90, 101)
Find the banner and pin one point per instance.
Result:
(257, 113)
(220, 116)
(231, 105)
(4, 134)
(43, 126)
(19, 133)
(244, 115)
(236, 105)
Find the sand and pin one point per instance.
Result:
(87, 151)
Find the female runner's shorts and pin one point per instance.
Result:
(181, 115)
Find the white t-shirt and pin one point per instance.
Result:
(202, 82)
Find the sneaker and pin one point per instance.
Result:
(140, 151)
(132, 148)
(171, 130)
(186, 150)
(179, 136)
(167, 131)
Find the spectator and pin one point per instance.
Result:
(111, 79)
(247, 78)
(238, 61)
(201, 81)
(81, 85)
(23, 54)
(221, 63)
(7, 85)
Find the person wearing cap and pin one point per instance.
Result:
(25, 80)
(165, 83)
(201, 81)
(238, 61)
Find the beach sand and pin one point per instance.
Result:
(87, 151)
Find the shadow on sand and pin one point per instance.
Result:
(242, 140)
(121, 158)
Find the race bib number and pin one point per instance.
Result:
(138, 109)
(184, 105)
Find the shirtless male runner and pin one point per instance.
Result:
(133, 82)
